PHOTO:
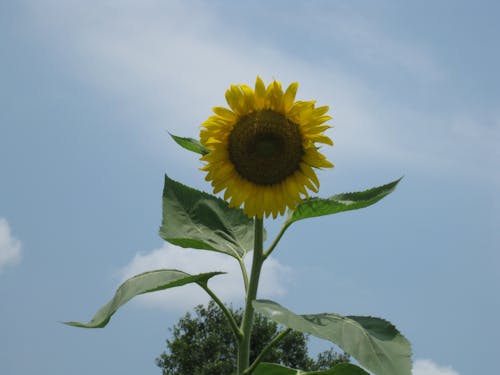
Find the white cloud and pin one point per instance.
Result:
(10, 247)
(428, 367)
(228, 287)
(179, 59)
(173, 61)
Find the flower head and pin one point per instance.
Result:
(264, 148)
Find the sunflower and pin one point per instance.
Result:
(263, 149)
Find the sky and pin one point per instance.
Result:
(89, 91)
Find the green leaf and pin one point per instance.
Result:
(341, 202)
(190, 144)
(146, 282)
(198, 220)
(339, 369)
(375, 343)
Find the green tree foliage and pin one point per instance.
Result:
(204, 344)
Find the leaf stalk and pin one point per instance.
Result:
(234, 326)
(264, 351)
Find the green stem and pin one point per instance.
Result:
(244, 273)
(248, 315)
(264, 351)
(234, 326)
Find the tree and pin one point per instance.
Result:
(205, 345)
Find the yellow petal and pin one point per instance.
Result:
(315, 159)
(232, 98)
(274, 96)
(289, 97)
(321, 138)
(225, 113)
(320, 111)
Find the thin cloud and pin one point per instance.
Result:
(173, 63)
(229, 287)
(429, 367)
(359, 35)
(10, 247)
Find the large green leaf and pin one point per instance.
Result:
(341, 202)
(198, 220)
(375, 343)
(146, 282)
(190, 144)
(339, 369)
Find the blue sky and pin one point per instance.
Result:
(89, 90)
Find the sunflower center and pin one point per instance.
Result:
(265, 147)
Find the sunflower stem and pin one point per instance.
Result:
(248, 315)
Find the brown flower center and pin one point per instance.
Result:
(265, 147)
